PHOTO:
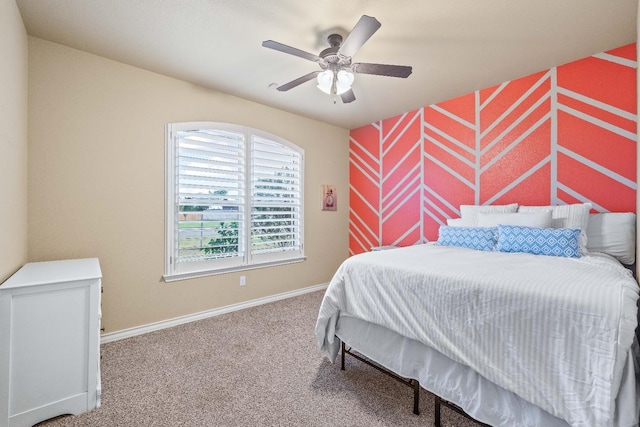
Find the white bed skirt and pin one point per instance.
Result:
(459, 384)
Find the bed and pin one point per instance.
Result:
(513, 339)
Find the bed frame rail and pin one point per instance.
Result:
(439, 402)
(406, 381)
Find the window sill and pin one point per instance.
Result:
(168, 278)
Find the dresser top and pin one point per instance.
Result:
(41, 273)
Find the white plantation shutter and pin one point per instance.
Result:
(234, 199)
(276, 184)
(210, 189)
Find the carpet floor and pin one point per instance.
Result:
(255, 367)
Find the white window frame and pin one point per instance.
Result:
(176, 270)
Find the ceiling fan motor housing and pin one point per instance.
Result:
(331, 59)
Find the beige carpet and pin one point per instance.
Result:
(256, 367)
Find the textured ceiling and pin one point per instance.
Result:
(454, 46)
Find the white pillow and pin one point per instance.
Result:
(527, 219)
(455, 222)
(567, 216)
(469, 213)
(613, 234)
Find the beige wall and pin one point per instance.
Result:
(13, 140)
(96, 182)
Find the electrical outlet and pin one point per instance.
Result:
(243, 281)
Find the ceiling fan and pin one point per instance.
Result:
(337, 74)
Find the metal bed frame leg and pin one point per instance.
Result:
(416, 397)
(436, 421)
(343, 351)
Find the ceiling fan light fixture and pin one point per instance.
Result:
(344, 82)
(325, 80)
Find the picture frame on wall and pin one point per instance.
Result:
(329, 198)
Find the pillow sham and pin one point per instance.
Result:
(469, 213)
(613, 233)
(567, 216)
(529, 219)
(482, 239)
(455, 222)
(562, 242)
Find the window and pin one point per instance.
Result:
(233, 199)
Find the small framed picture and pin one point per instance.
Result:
(329, 198)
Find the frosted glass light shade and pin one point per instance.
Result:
(344, 80)
(325, 80)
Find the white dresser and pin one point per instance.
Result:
(49, 341)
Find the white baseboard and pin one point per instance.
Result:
(156, 326)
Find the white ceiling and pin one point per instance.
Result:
(454, 46)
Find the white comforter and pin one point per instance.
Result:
(555, 331)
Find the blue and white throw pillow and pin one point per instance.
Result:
(563, 242)
(480, 238)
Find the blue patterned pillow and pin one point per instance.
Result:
(480, 238)
(564, 242)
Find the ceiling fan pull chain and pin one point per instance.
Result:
(334, 84)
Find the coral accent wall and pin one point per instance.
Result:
(564, 135)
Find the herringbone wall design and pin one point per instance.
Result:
(565, 135)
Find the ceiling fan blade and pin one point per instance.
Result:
(298, 81)
(403, 71)
(291, 50)
(363, 30)
(348, 96)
